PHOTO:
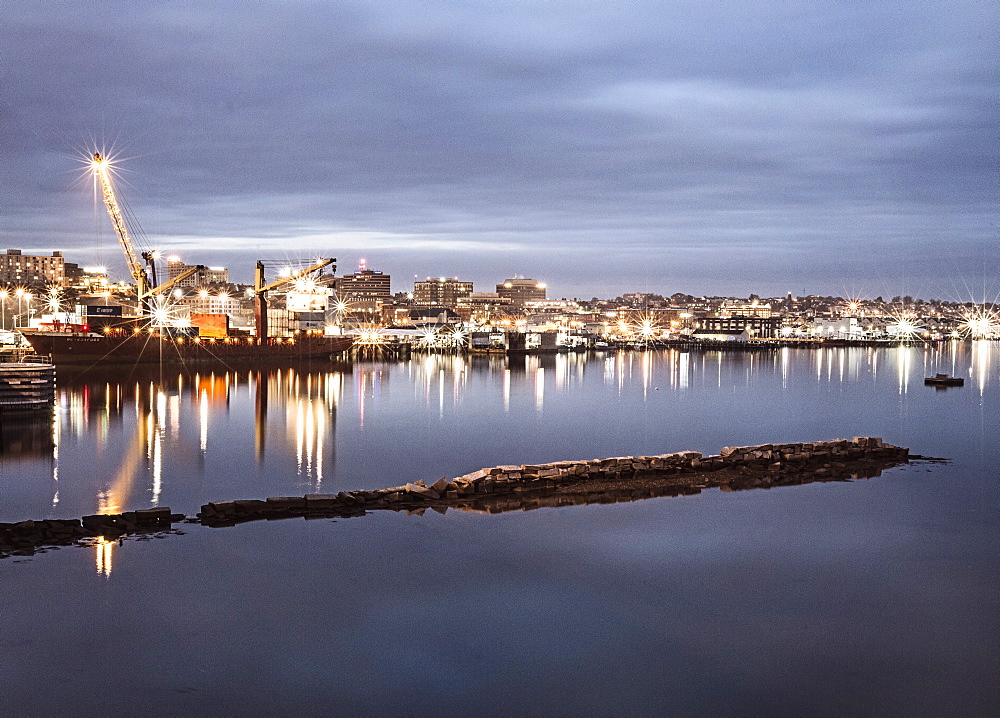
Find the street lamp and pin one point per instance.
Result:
(27, 298)
(19, 293)
(3, 307)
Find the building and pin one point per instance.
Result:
(29, 270)
(444, 292)
(757, 327)
(482, 307)
(211, 275)
(520, 291)
(363, 291)
(721, 335)
(743, 309)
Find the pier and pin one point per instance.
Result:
(26, 386)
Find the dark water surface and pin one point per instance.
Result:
(877, 596)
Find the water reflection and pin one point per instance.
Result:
(128, 440)
(103, 556)
(136, 426)
(29, 435)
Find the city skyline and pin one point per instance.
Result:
(716, 149)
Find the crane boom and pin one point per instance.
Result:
(260, 291)
(136, 269)
(290, 278)
(171, 283)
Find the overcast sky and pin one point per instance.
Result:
(704, 147)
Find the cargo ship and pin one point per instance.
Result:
(151, 338)
(76, 347)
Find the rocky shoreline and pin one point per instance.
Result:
(504, 488)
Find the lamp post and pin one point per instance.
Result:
(3, 307)
(19, 293)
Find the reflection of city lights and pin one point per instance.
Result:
(103, 554)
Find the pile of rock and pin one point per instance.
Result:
(485, 489)
(533, 477)
(25, 536)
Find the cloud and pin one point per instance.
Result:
(781, 137)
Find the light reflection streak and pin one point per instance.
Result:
(981, 350)
(539, 388)
(609, 370)
(103, 555)
(506, 389)
(646, 367)
(56, 437)
(561, 378)
(903, 366)
(203, 421)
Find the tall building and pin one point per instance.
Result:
(522, 290)
(364, 290)
(29, 270)
(440, 292)
(211, 275)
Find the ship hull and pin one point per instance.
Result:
(144, 348)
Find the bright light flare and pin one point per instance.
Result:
(907, 325)
(980, 323)
(305, 285)
(369, 336)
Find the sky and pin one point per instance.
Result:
(720, 148)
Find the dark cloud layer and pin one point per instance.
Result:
(685, 146)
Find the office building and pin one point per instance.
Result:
(520, 291)
(29, 270)
(443, 291)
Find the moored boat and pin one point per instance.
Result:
(944, 380)
(134, 347)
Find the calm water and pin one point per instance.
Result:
(870, 597)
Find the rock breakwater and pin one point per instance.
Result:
(504, 488)
(24, 537)
(733, 466)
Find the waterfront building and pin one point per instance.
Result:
(442, 291)
(745, 309)
(521, 291)
(721, 335)
(30, 270)
(841, 328)
(423, 316)
(211, 275)
(757, 327)
(482, 307)
(89, 280)
(365, 290)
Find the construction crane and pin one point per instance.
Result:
(144, 286)
(261, 289)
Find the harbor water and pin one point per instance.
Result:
(867, 597)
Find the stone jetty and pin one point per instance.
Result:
(505, 488)
(838, 459)
(24, 537)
